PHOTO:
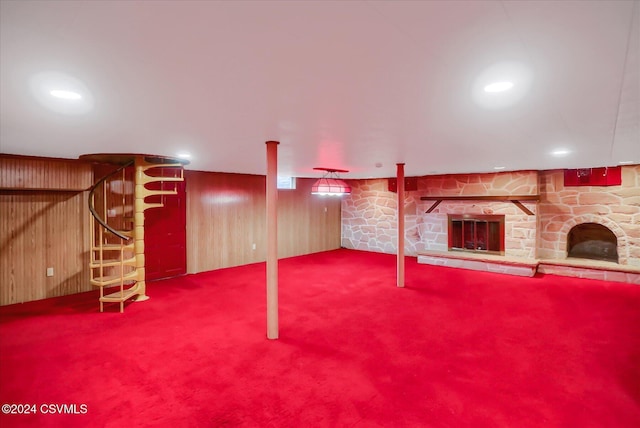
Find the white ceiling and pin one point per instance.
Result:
(340, 84)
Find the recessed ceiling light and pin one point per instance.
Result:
(498, 168)
(65, 95)
(184, 155)
(625, 162)
(498, 87)
(61, 93)
(511, 80)
(560, 152)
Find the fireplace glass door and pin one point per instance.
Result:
(481, 233)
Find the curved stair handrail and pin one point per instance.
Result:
(95, 214)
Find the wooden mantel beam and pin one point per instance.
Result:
(483, 198)
(516, 199)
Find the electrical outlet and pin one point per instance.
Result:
(49, 271)
(325, 209)
(253, 247)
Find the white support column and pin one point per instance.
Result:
(400, 189)
(272, 239)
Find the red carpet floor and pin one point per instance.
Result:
(455, 348)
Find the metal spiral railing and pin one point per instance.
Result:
(92, 208)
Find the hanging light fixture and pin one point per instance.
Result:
(330, 184)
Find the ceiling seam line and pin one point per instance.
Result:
(624, 68)
(528, 54)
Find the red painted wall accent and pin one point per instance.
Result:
(410, 184)
(165, 236)
(605, 176)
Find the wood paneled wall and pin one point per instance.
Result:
(23, 172)
(44, 222)
(39, 230)
(43, 228)
(226, 216)
(307, 223)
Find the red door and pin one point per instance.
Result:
(165, 236)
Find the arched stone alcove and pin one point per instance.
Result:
(592, 241)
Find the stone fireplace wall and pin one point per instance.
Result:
(616, 207)
(369, 220)
(369, 215)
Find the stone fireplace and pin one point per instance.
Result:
(539, 235)
(592, 241)
(369, 222)
(590, 228)
(476, 233)
(611, 215)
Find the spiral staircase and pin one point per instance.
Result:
(117, 203)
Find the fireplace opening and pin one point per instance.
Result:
(592, 241)
(476, 233)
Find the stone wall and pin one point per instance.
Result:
(369, 220)
(616, 207)
(369, 215)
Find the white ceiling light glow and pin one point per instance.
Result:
(498, 87)
(560, 152)
(502, 85)
(184, 155)
(61, 93)
(66, 95)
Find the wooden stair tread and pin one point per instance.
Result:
(112, 262)
(128, 233)
(148, 205)
(159, 192)
(113, 247)
(120, 296)
(102, 281)
(154, 179)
